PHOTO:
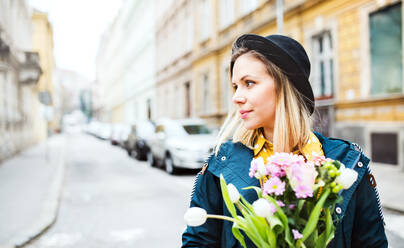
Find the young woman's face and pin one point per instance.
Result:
(255, 94)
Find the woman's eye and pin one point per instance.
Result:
(234, 86)
(249, 83)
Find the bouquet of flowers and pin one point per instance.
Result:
(295, 201)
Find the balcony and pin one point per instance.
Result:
(30, 70)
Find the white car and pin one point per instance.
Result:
(180, 144)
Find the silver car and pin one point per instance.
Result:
(180, 144)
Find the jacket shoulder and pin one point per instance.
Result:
(228, 151)
(332, 145)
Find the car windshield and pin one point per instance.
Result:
(197, 129)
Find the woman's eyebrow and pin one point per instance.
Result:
(242, 78)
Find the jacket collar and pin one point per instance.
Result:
(233, 159)
(338, 149)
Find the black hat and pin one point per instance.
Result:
(288, 55)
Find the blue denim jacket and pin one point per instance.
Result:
(360, 219)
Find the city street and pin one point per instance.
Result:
(112, 200)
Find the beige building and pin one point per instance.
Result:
(46, 121)
(19, 73)
(355, 48)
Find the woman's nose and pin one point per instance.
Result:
(237, 99)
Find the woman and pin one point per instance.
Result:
(274, 102)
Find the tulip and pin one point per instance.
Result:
(262, 170)
(263, 208)
(347, 177)
(195, 216)
(233, 193)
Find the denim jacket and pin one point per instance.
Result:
(359, 217)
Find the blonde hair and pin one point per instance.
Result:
(292, 125)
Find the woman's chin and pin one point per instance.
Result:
(250, 125)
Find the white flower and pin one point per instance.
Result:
(258, 168)
(263, 208)
(347, 177)
(262, 169)
(195, 216)
(233, 193)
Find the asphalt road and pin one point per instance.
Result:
(112, 200)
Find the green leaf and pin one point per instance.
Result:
(237, 234)
(329, 226)
(284, 219)
(271, 237)
(257, 189)
(254, 231)
(247, 205)
(275, 224)
(314, 216)
(300, 244)
(230, 206)
(300, 205)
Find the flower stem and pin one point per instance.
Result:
(221, 217)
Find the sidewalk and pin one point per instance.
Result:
(30, 186)
(390, 184)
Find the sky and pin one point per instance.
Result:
(77, 28)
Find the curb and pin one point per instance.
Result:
(49, 210)
(390, 208)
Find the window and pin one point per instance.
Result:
(204, 20)
(225, 89)
(382, 153)
(323, 120)
(386, 50)
(149, 114)
(323, 66)
(187, 99)
(197, 129)
(205, 92)
(247, 6)
(189, 31)
(226, 14)
(3, 116)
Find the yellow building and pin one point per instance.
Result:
(355, 48)
(43, 44)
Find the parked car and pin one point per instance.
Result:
(104, 132)
(180, 144)
(118, 132)
(136, 142)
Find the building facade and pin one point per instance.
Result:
(19, 74)
(126, 64)
(47, 121)
(355, 48)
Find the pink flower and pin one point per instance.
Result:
(319, 159)
(281, 159)
(280, 203)
(297, 234)
(275, 170)
(274, 186)
(302, 179)
(272, 208)
(302, 191)
(253, 169)
(291, 206)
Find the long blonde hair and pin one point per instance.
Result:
(292, 126)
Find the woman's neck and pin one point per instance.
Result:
(268, 135)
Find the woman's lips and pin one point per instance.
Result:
(244, 114)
